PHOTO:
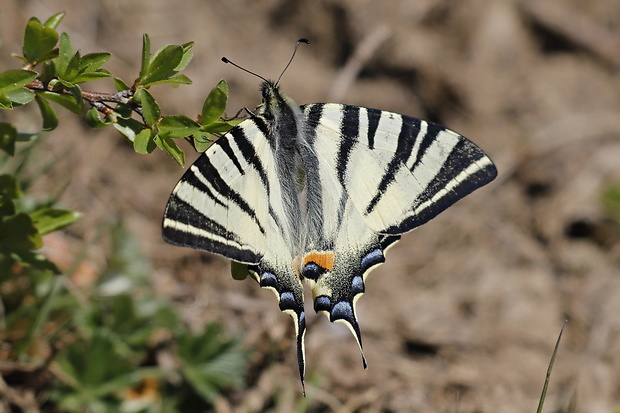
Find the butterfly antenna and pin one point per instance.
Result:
(225, 60)
(306, 41)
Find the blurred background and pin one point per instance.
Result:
(465, 313)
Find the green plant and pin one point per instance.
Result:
(96, 348)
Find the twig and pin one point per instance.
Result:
(577, 28)
(96, 99)
(363, 52)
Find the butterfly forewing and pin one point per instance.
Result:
(398, 171)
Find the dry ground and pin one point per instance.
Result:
(464, 314)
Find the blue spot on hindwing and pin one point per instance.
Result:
(287, 301)
(342, 311)
(268, 279)
(374, 257)
(322, 303)
(357, 285)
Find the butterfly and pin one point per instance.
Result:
(317, 193)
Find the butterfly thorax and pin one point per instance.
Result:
(283, 119)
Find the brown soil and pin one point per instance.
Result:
(465, 313)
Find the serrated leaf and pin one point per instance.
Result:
(50, 219)
(167, 144)
(15, 79)
(163, 64)
(21, 96)
(71, 102)
(50, 120)
(55, 20)
(144, 142)
(19, 232)
(93, 119)
(150, 108)
(178, 126)
(8, 135)
(215, 103)
(38, 40)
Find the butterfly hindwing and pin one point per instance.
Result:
(375, 175)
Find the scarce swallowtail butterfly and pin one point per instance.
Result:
(317, 193)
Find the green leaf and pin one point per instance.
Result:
(146, 55)
(202, 142)
(174, 80)
(166, 143)
(65, 53)
(49, 219)
(50, 120)
(8, 135)
(93, 119)
(144, 142)
(38, 40)
(55, 20)
(21, 96)
(5, 102)
(10, 187)
(7, 207)
(71, 102)
(90, 76)
(178, 126)
(19, 232)
(26, 137)
(72, 69)
(239, 271)
(163, 64)
(15, 79)
(35, 260)
(219, 127)
(120, 85)
(150, 108)
(215, 103)
(129, 127)
(187, 56)
(93, 61)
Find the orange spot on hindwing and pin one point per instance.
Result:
(316, 263)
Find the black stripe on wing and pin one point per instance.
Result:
(216, 239)
(452, 174)
(210, 172)
(403, 151)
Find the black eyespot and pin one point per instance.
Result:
(312, 271)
